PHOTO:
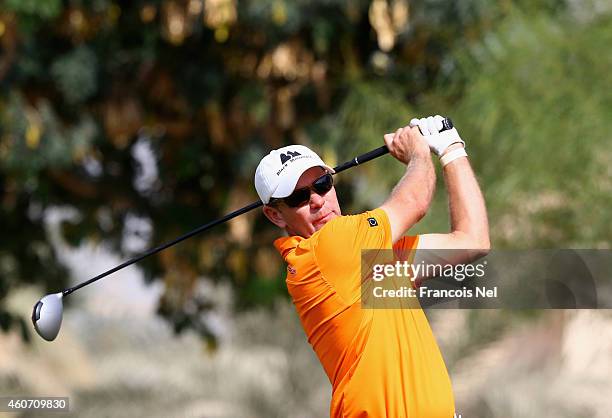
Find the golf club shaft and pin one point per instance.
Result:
(363, 158)
(447, 124)
(357, 160)
(166, 245)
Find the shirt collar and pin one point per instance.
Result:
(285, 244)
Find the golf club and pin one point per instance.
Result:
(48, 311)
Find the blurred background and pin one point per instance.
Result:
(125, 124)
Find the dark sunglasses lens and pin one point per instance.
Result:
(298, 198)
(323, 184)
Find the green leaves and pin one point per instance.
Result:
(34, 139)
(535, 111)
(75, 74)
(45, 9)
(216, 87)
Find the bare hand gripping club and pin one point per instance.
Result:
(47, 312)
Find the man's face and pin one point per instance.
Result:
(309, 218)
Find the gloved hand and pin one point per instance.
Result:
(438, 141)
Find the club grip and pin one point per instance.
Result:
(447, 124)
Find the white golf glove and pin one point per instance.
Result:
(438, 141)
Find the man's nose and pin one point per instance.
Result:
(316, 200)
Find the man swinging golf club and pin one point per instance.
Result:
(380, 362)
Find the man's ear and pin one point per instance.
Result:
(275, 216)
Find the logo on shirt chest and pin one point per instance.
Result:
(291, 270)
(372, 222)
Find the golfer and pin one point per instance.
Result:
(380, 362)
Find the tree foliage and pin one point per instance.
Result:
(210, 86)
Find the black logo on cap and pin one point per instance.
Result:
(286, 157)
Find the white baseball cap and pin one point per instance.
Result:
(279, 171)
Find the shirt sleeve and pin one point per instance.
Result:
(339, 247)
(405, 248)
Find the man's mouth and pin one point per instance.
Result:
(324, 218)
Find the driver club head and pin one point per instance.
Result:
(47, 316)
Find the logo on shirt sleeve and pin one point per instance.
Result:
(372, 222)
(291, 270)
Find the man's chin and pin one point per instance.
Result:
(321, 223)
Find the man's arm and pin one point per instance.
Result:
(468, 214)
(469, 235)
(411, 197)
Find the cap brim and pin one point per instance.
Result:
(293, 175)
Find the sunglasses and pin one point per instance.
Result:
(300, 197)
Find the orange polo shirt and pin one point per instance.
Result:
(380, 362)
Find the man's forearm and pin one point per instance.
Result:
(411, 197)
(417, 185)
(468, 214)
